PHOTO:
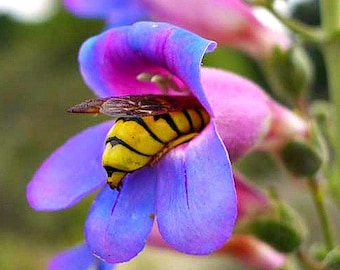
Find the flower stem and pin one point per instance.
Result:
(308, 33)
(330, 11)
(331, 54)
(330, 14)
(319, 202)
(307, 262)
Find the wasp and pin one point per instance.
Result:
(146, 128)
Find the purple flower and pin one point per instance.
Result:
(229, 22)
(190, 191)
(78, 258)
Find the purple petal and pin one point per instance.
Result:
(79, 257)
(117, 12)
(76, 258)
(71, 172)
(90, 8)
(111, 61)
(196, 200)
(119, 223)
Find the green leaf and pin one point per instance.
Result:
(301, 159)
(284, 229)
(260, 167)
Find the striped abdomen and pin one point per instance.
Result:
(134, 142)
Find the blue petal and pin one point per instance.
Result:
(196, 200)
(119, 222)
(71, 172)
(118, 12)
(90, 8)
(110, 62)
(77, 258)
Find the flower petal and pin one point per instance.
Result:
(117, 12)
(90, 8)
(76, 258)
(254, 253)
(119, 222)
(229, 22)
(71, 172)
(79, 257)
(110, 62)
(240, 123)
(196, 200)
(250, 200)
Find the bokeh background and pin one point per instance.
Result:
(39, 80)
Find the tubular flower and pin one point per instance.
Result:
(79, 257)
(253, 252)
(250, 201)
(190, 190)
(229, 22)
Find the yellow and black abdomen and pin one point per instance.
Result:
(134, 142)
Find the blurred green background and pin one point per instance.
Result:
(39, 80)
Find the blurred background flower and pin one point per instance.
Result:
(228, 22)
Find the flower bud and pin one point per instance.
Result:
(301, 159)
(284, 230)
(332, 260)
(289, 72)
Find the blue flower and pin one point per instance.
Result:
(78, 258)
(190, 191)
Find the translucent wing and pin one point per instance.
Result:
(132, 106)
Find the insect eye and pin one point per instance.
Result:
(109, 170)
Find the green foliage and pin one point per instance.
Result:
(261, 167)
(290, 73)
(301, 159)
(332, 260)
(283, 228)
(281, 236)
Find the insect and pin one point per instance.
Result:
(147, 127)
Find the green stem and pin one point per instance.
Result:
(331, 52)
(330, 15)
(307, 263)
(330, 11)
(308, 33)
(319, 202)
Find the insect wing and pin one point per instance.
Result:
(132, 106)
(88, 106)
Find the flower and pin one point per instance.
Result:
(190, 190)
(250, 201)
(79, 257)
(229, 22)
(253, 252)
